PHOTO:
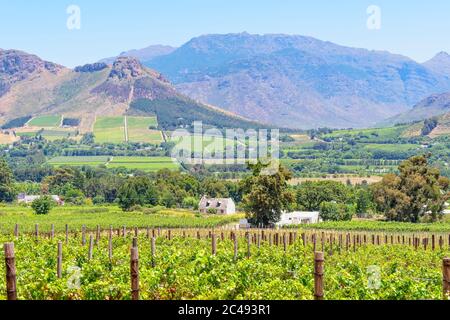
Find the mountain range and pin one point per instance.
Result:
(281, 80)
(31, 86)
(300, 82)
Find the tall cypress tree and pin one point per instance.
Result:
(7, 192)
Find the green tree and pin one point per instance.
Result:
(418, 192)
(43, 205)
(332, 211)
(266, 196)
(7, 191)
(137, 191)
(310, 195)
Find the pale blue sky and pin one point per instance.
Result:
(418, 29)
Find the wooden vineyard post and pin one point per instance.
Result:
(136, 232)
(59, 261)
(446, 278)
(134, 271)
(235, 242)
(198, 235)
(258, 241)
(97, 235)
(10, 261)
(36, 232)
(433, 239)
(124, 232)
(213, 244)
(249, 244)
(148, 232)
(153, 252)
(83, 235)
(16, 230)
(322, 239)
(91, 247)
(110, 246)
(284, 242)
(169, 235)
(135, 243)
(441, 242)
(318, 275)
(67, 233)
(52, 232)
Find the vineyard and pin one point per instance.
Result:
(168, 264)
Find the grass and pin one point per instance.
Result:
(78, 161)
(139, 130)
(109, 130)
(93, 216)
(45, 122)
(149, 164)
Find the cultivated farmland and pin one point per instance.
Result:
(143, 129)
(109, 130)
(45, 122)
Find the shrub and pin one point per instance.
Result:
(43, 205)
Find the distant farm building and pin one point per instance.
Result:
(447, 208)
(296, 218)
(224, 206)
(27, 199)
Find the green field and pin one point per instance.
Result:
(109, 130)
(202, 143)
(139, 130)
(143, 163)
(91, 216)
(45, 122)
(389, 132)
(78, 161)
(149, 164)
(390, 147)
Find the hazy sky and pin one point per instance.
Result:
(418, 29)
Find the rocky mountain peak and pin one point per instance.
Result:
(16, 66)
(19, 65)
(125, 68)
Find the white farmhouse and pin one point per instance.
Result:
(224, 206)
(23, 198)
(299, 217)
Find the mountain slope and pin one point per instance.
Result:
(144, 54)
(34, 87)
(439, 64)
(434, 105)
(297, 81)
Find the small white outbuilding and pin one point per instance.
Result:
(299, 217)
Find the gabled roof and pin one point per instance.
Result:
(215, 203)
